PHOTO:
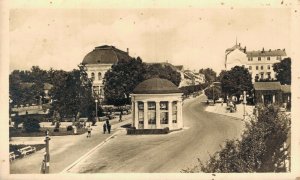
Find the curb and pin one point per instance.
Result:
(89, 152)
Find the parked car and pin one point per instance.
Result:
(220, 100)
(27, 150)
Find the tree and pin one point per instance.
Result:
(164, 72)
(221, 75)
(210, 75)
(261, 148)
(31, 125)
(235, 81)
(213, 92)
(121, 79)
(283, 71)
(72, 93)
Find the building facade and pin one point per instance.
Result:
(259, 63)
(157, 104)
(99, 61)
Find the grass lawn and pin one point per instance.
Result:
(62, 132)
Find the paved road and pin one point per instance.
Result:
(64, 150)
(204, 134)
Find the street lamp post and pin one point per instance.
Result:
(244, 102)
(96, 101)
(46, 162)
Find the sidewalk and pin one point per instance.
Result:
(64, 150)
(219, 109)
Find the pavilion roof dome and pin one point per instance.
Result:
(156, 86)
(105, 55)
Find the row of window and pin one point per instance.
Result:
(99, 76)
(163, 106)
(262, 75)
(261, 67)
(259, 58)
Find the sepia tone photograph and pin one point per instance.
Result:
(157, 89)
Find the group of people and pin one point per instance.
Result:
(106, 126)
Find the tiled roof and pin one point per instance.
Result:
(156, 86)
(277, 52)
(265, 86)
(286, 88)
(105, 55)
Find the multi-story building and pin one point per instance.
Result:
(259, 63)
(99, 61)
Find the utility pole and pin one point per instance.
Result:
(96, 101)
(46, 161)
(244, 102)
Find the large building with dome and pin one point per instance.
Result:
(99, 61)
(157, 104)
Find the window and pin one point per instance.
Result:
(256, 67)
(259, 58)
(164, 119)
(99, 76)
(93, 76)
(269, 67)
(278, 58)
(250, 58)
(174, 112)
(141, 112)
(269, 75)
(261, 67)
(96, 89)
(151, 113)
(262, 76)
(268, 58)
(250, 67)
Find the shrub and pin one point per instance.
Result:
(31, 125)
(69, 128)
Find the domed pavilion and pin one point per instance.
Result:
(157, 104)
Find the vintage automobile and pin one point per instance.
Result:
(27, 150)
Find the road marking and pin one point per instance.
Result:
(88, 153)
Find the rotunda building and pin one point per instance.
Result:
(157, 104)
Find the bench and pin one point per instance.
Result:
(12, 156)
(27, 150)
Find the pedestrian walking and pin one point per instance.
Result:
(120, 117)
(108, 128)
(89, 129)
(104, 128)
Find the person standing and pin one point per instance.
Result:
(108, 127)
(120, 118)
(104, 128)
(89, 129)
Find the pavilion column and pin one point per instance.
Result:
(146, 115)
(179, 114)
(170, 114)
(136, 115)
(157, 112)
(273, 98)
(262, 98)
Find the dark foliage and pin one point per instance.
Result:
(31, 125)
(283, 71)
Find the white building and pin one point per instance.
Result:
(157, 104)
(99, 61)
(259, 63)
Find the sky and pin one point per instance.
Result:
(193, 37)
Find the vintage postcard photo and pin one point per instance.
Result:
(150, 90)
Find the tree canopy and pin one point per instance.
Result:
(283, 71)
(263, 147)
(235, 81)
(123, 77)
(210, 75)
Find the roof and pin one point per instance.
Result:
(286, 88)
(105, 55)
(237, 46)
(267, 86)
(156, 86)
(277, 52)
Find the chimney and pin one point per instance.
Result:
(263, 50)
(283, 49)
(245, 49)
(128, 51)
